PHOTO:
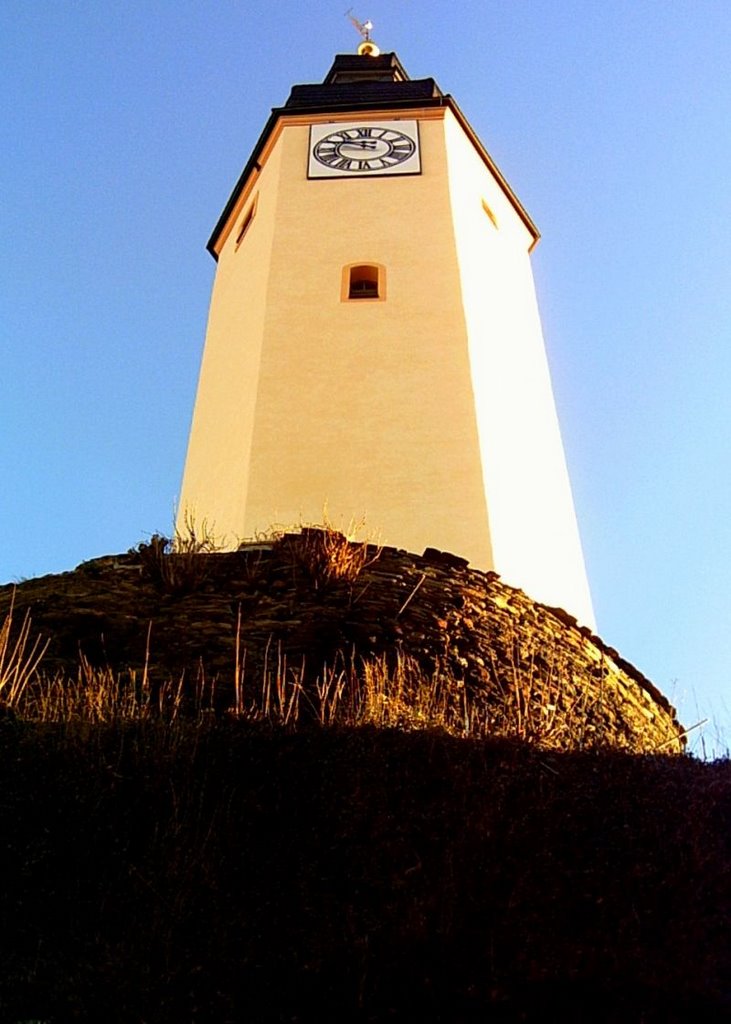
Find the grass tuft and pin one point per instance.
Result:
(178, 565)
(325, 555)
(19, 659)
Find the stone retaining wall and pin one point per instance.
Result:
(489, 638)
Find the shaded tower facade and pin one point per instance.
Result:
(374, 348)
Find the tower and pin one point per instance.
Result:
(374, 347)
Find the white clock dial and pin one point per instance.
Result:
(346, 150)
(367, 148)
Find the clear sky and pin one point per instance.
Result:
(125, 126)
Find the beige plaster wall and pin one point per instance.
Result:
(365, 408)
(533, 525)
(216, 477)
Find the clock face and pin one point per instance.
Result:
(368, 148)
(346, 150)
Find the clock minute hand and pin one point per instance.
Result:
(361, 143)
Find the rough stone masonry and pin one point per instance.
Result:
(182, 617)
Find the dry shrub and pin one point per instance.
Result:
(325, 555)
(179, 565)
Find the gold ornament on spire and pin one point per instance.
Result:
(367, 48)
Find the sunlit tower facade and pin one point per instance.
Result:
(374, 348)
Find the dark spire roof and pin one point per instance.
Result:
(354, 81)
(352, 67)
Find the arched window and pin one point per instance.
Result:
(364, 281)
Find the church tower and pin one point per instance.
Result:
(374, 348)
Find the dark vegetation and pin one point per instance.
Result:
(228, 871)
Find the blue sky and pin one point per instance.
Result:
(124, 129)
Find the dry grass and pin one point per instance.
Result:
(98, 696)
(403, 696)
(388, 693)
(523, 695)
(531, 702)
(19, 659)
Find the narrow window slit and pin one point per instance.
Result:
(246, 222)
(490, 214)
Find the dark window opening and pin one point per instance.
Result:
(364, 283)
(246, 223)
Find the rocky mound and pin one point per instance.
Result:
(313, 603)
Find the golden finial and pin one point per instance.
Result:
(367, 48)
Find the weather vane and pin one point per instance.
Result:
(367, 48)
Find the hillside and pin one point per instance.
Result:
(313, 606)
(310, 781)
